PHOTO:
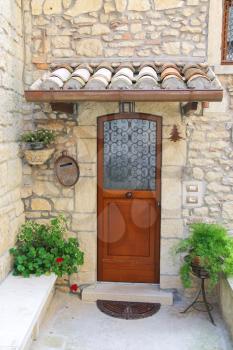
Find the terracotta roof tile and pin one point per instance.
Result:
(128, 76)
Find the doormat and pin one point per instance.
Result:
(127, 310)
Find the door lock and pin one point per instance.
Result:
(129, 195)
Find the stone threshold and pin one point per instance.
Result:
(23, 303)
(134, 292)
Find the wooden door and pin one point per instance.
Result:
(129, 177)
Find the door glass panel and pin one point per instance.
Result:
(130, 154)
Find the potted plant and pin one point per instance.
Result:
(37, 143)
(42, 249)
(208, 252)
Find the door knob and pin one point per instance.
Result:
(129, 195)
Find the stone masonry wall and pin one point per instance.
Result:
(46, 198)
(11, 91)
(204, 155)
(66, 29)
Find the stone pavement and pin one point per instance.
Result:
(71, 324)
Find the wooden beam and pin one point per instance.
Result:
(71, 96)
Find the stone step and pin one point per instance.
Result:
(23, 304)
(135, 292)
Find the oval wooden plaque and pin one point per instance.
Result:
(66, 170)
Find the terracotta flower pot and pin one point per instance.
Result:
(197, 269)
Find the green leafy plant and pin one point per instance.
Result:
(212, 247)
(42, 249)
(41, 135)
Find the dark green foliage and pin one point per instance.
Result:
(40, 246)
(213, 245)
(41, 135)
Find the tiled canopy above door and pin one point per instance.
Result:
(148, 81)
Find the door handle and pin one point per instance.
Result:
(129, 195)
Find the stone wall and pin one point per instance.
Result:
(58, 29)
(204, 156)
(46, 198)
(11, 91)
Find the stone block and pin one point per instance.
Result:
(90, 111)
(40, 204)
(167, 4)
(41, 188)
(227, 210)
(81, 6)
(14, 173)
(217, 188)
(87, 150)
(36, 6)
(100, 29)
(170, 263)
(172, 228)
(89, 47)
(5, 265)
(174, 153)
(120, 5)
(86, 277)
(85, 132)
(136, 27)
(88, 244)
(61, 42)
(84, 222)
(170, 112)
(109, 7)
(52, 7)
(192, 2)
(138, 5)
(3, 174)
(63, 204)
(86, 195)
(66, 3)
(171, 48)
(172, 192)
(170, 282)
(4, 234)
(88, 169)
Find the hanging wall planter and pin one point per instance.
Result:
(38, 157)
(36, 143)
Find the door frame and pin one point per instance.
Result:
(100, 136)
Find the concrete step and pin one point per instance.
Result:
(135, 292)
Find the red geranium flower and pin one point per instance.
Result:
(59, 260)
(74, 288)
